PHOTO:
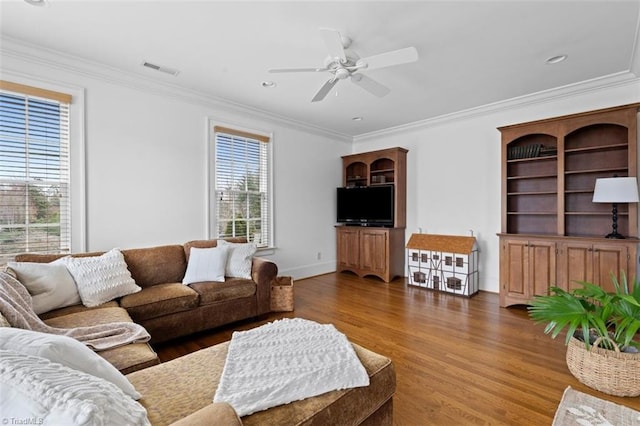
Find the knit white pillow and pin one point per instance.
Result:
(240, 258)
(35, 388)
(50, 284)
(66, 351)
(206, 264)
(101, 278)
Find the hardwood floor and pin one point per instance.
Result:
(458, 361)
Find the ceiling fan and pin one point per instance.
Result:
(343, 64)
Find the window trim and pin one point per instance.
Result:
(77, 151)
(240, 130)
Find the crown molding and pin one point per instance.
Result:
(31, 53)
(18, 49)
(620, 79)
(634, 63)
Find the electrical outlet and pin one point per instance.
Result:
(319, 255)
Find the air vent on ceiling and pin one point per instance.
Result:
(160, 68)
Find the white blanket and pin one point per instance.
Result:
(285, 361)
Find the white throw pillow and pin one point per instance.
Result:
(240, 258)
(206, 264)
(35, 388)
(101, 278)
(66, 351)
(50, 284)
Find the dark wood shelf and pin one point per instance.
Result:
(532, 193)
(529, 159)
(597, 148)
(607, 214)
(598, 170)
(534, 213)
(578, 191)
(542, 176)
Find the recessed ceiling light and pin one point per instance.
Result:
(556, 59)
(358, 118)
(36, 2)
(268, 84)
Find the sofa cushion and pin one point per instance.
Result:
(233, 288)
(206, 264)
(101, 279)
(208, 244)
(239, 258)
(66, 351)
(127, 358)
(156, 265)
(50, 285)
(89, 317)
(50, 393)
(130, 358)
(76, 308)
(159, 300)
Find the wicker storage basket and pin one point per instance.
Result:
(282, 294)
(612, 372)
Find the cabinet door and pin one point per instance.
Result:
(593, 262)
(609, 259)
(542, 266)
(514, 266)
(374, 250)
(527, 268)
(576, 264)
(348, 247)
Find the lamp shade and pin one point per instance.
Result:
(616, 190)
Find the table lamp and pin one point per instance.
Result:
(615, 190)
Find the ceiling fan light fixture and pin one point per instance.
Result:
(556, 59)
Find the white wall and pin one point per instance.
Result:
(453, 179)
(146, 171)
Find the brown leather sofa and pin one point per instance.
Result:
(165, 307)
(180, 392)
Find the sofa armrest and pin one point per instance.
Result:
(218, 413)
(263, 271)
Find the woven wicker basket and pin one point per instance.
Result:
(612, 372)
(282, 294)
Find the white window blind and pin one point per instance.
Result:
(34, 171)
(242, 185)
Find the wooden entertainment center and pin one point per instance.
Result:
(552, 234)
(369, 250)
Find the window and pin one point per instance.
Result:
(242, 188)
(34, 171)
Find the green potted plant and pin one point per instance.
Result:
(601, 330)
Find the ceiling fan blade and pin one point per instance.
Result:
(370, 85)
(395, 57)
(276, 70)
(324, 90)
(333, 40)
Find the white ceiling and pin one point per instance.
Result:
(472, 53)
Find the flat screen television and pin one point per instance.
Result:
(366, 205)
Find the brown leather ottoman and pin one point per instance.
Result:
(185, 387)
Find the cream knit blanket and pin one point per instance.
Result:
(285, 361)
(16, 307)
